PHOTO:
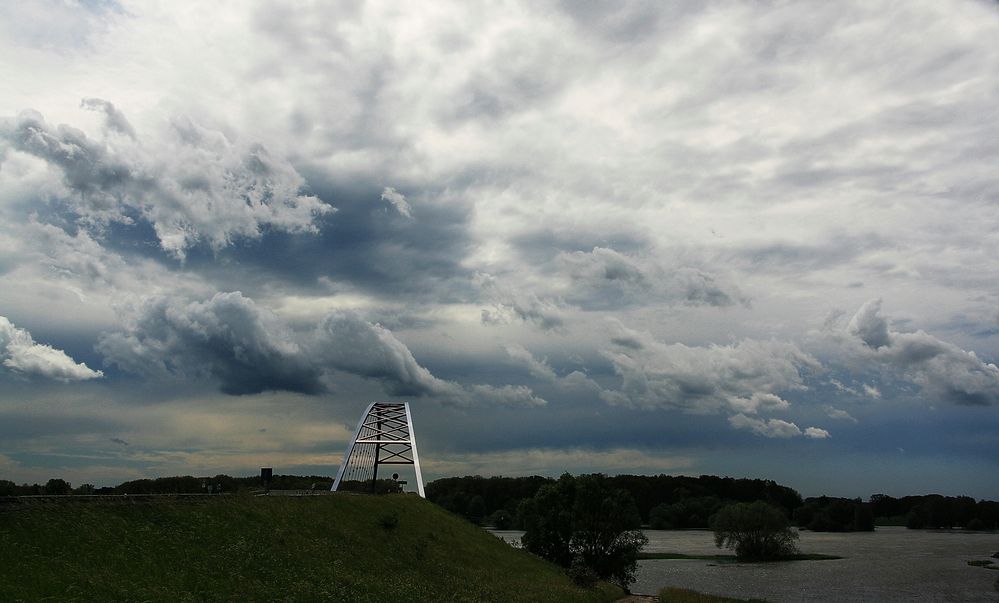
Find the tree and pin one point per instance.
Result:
(476, 509)
(501, 520)
(584, 522)
(85, 489)
(58, 486)
(755, 531)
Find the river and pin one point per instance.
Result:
(891, 564)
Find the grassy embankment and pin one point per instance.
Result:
(322, 548)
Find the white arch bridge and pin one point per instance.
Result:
(384, 436)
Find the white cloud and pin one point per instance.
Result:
(772, 428)
(815, 433)
(23, 356)
(760, 402)
(838, 413)
(193, 184)
(510, 304)
(538, 368)
(398, 201)
(775, 428)
(743, 376)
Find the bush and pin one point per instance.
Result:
(975, 525)
(388, 521)
(756, 531)
(582, 574)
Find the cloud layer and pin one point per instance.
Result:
(618, 230)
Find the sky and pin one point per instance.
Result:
(755, 239)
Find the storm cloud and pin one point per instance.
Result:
(945, 371)
(248, 349)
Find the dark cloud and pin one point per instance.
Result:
(247, 349)
(510, 303)
(603, 278)
(228, 338)
(943, 370)
(870, 325)
(367, 246)
(114, 119)
(347, 342)
(88, 168)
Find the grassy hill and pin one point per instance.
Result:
(321, 548)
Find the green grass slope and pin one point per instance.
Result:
(321, 548)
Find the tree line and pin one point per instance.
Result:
(679, 502)
(178, 484)
(661, 501)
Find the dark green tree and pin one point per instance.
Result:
(756, 531)
(476, 509)
(583, 521)
(547, 521)
(501, 520)
(85, 489)
(58, 486)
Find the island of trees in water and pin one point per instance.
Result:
(660, 501)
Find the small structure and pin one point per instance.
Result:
(384, 436)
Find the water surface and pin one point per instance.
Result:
(891, 564)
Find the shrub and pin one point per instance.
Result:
(755, 531)
(388, 521)
(582, 574)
